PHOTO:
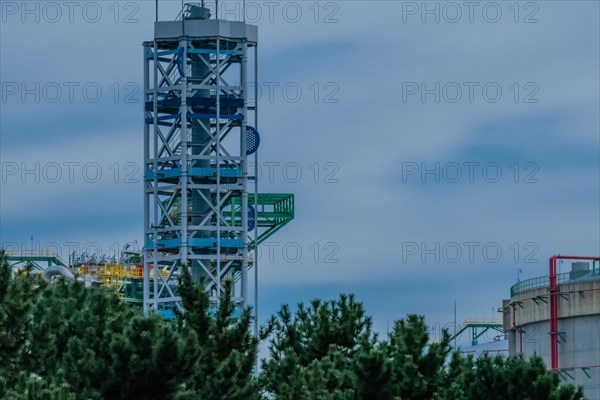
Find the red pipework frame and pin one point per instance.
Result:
(554, 305)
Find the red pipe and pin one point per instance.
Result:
(553, 315)
(554, 305)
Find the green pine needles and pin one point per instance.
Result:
(62, 341)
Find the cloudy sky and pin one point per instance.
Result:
(442, 146)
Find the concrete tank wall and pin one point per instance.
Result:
(579, 322)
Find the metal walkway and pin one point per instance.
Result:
(40, 260)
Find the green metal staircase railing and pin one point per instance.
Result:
(35, 258)
(274, 211)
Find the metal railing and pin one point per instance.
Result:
(483, 321)
(31, 253)
(543, 282)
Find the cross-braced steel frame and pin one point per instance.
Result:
(195, 164)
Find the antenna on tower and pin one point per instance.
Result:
(156, 11)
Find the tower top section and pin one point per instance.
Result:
(196, 11)
(195, 22)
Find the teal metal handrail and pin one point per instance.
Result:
(561, 279)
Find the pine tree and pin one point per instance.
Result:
(514, 378)
(103, 348)
(224, 357)
(17, 293)
(326, 350)
(36, 388)
(418, 365)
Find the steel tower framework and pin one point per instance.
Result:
(199, 130)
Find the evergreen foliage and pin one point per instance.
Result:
(62, 341)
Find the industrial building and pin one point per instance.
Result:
(557, 317)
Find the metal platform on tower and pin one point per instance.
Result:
(269, 212)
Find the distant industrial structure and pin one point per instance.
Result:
(200, 130)
(202, 208)
(557, 317)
